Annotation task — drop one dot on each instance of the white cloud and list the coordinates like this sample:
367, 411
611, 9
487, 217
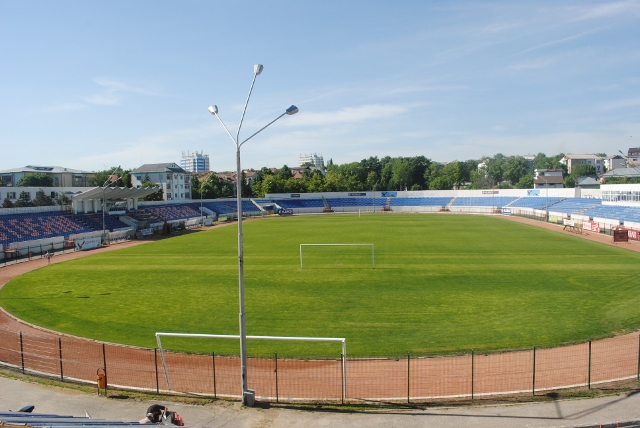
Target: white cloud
103, 99
349, 115
562, 40
111, 93
609, 9
64, 107
624, 103
531, 65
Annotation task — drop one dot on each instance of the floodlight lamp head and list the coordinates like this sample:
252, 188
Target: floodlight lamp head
257, 69
291, 110
213, 109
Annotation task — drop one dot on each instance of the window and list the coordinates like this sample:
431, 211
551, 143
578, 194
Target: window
168, 195
168, 176
11, 195
139, 178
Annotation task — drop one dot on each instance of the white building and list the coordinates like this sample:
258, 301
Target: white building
175, 181
548, 178
313, 159
571, 160
633, 156
195, 162
615, 161
62, 177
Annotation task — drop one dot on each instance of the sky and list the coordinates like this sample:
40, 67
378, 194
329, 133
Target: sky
90, 85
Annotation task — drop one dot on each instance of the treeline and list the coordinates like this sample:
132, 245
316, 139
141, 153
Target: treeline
372, 174
406, 173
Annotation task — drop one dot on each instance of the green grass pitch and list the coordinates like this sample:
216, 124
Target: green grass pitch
441, 284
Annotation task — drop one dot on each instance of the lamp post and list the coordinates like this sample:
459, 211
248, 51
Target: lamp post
248, 396
104, 203
202, 184
547, 191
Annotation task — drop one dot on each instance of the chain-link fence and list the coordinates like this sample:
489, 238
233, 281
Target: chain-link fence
285, 379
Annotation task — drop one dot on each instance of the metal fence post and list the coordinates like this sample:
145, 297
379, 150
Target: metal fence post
533, 392
60, 358
638, 375
408, 377
21, 353
104, 362
276, 371
213, 362
155, 364
342, 389
589, 378
472, 372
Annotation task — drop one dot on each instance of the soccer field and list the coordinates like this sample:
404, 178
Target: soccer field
441, 284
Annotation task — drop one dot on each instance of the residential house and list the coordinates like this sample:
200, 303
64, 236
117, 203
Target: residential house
175, 181
571, 160
548, 178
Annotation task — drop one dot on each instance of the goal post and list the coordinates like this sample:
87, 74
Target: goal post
341, 340
373, 259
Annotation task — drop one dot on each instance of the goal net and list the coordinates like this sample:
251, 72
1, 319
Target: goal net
167, 372
331, 255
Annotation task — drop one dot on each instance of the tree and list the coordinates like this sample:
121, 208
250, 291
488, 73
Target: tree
583, 170
456, 173
495, 168
284, 173
156, 196
111, 177
525, 182
195, 186
621, 180
38, 179
402, 173
440, 183
313, 181
433, 172
515, 168
24, 200
372, 164
7, 203
373, 181
569, 182
62, 199
42, 200
245, 191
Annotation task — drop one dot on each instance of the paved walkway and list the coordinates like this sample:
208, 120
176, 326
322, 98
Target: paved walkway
15, 394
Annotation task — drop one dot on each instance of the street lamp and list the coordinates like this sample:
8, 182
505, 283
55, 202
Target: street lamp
248, 396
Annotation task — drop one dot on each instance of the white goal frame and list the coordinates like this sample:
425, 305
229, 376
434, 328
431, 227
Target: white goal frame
373, 258
342, 340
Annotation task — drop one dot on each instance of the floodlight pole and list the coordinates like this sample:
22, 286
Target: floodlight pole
248, 396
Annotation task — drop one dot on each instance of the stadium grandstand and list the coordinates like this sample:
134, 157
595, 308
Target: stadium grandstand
125, 217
